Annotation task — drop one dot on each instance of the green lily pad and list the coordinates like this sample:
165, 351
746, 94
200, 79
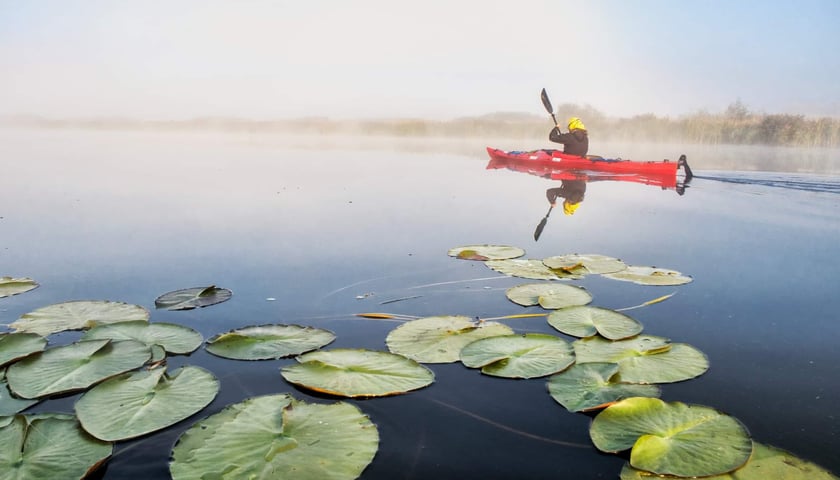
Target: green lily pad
78, 315
766, 463
358, 373
74, 367
266, 342
530, 355
548, 295
591, 263
529, 268
486, 252
14, 346
174, 338
591, 386
10, 404
672, 438
650, 276
141, 402
585, 321
13, 286
440, 339
276, 436
644, 358
190, 298
48, 446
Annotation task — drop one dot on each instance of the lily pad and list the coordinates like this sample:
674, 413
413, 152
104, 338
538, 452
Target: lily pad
591, 386
141, 402
585, 321
266, 342
190, 298
276, 436
78, 315
650, 276
14, 346
766, 463
672, 438
440, 339
529, 268
548, 295
10, 404
591, 263
74, 367
48, 446
529, 355
644, 358
358, 373
486, 252
13, 286
174, 338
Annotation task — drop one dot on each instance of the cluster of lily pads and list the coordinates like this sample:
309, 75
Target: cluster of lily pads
119, 364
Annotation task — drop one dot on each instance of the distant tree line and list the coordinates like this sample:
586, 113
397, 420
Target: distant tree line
736, 126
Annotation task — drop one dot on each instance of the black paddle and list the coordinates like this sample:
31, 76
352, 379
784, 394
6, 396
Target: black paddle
547, 105
550, 110
540, 227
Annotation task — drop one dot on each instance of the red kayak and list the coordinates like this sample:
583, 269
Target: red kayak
555, 159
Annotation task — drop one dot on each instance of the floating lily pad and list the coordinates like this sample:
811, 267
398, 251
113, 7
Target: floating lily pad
74, 367
672, 438
14, 346
766, 463
13, 286
141, 402
276, 436
650, 276
591, 263
529, 268
78, 315
358, 373
190, 298
10, 404
174, 338
48, 446
590, 386
585, 321
548, 295
486, 252
530, 355
266, 342
644, 358
440, 339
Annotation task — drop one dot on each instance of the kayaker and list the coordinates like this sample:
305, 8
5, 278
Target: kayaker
572, 192
576, 142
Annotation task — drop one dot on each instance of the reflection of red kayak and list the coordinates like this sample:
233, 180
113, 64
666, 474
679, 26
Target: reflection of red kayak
559, 166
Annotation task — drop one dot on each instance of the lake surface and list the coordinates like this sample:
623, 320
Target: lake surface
313, 231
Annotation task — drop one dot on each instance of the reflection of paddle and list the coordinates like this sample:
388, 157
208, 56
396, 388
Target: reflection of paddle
547, 105
540, 227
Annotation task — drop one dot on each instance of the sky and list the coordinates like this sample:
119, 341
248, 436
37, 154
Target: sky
432, 59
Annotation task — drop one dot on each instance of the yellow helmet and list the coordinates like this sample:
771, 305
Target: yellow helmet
569, 208
576, 124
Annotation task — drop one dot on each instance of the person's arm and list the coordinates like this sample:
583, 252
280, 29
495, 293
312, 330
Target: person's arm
552, 193
557, 136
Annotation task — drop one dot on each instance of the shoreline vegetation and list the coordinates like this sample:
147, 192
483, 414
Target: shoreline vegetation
735, 126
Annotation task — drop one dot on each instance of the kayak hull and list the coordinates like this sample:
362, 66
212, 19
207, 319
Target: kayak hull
559, 160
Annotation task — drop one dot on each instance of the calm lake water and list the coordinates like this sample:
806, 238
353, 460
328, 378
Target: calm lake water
313, 231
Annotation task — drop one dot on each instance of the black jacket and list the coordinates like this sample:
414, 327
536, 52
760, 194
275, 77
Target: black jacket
575, 142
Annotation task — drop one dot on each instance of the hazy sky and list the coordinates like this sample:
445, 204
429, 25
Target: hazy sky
176, 59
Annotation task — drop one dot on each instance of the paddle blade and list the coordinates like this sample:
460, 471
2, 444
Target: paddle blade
546, 102
540, 228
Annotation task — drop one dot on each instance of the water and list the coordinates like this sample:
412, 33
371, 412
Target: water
299, 232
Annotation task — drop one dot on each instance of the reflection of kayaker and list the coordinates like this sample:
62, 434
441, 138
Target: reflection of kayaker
572, 193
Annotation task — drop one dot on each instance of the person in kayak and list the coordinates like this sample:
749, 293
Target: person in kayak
571, 191
576, 142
